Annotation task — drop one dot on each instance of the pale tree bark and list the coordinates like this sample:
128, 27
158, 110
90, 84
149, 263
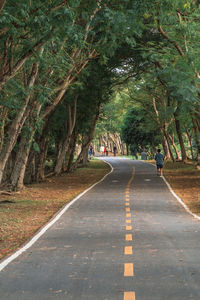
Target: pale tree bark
114, 139
174, 146
189, 138
111, 138
180, 137
17, 176
168, 144
119, 142
15, 127
165, 148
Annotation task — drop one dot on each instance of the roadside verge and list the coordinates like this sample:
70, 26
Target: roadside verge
30, 213
183, 180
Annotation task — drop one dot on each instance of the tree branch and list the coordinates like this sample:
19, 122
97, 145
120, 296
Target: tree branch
165, 35
8, 75
2, 2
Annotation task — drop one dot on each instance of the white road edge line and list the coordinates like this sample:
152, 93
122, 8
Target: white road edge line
180, 200
177, 197
13, 256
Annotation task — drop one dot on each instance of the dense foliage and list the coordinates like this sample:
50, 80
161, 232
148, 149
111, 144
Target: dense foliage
61, 61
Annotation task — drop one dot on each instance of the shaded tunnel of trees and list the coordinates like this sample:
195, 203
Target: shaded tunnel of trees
70, 67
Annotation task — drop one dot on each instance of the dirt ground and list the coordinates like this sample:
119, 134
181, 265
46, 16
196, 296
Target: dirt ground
185, 181
23, 213
184, 178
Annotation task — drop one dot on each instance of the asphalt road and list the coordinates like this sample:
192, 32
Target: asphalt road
127, 238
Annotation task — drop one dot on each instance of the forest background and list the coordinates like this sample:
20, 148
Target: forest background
62, 61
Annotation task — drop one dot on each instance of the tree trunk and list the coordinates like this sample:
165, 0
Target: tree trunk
16, 125
189, 138
9, 167
180, 137
197, 138
85, 156
43, 142
174, 146
17, 176
71, 125
72, 151
165, 148
3, 116
30, 171
127, 149
60, 160
41, 158
89, 138
169, 147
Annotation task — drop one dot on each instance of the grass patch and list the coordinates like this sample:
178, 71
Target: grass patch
23, 213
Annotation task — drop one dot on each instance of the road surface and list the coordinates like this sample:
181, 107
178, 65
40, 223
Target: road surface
127, 238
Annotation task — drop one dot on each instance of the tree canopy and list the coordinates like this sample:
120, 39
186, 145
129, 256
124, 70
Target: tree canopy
67, 64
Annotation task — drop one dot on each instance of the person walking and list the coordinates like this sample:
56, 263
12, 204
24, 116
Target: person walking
105, 151
159, 158
90, 151
114, 150
143, 155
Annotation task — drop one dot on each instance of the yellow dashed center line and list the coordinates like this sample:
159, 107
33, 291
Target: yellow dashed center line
129, 237
128, 227
128, 250
128, 269
129, 295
